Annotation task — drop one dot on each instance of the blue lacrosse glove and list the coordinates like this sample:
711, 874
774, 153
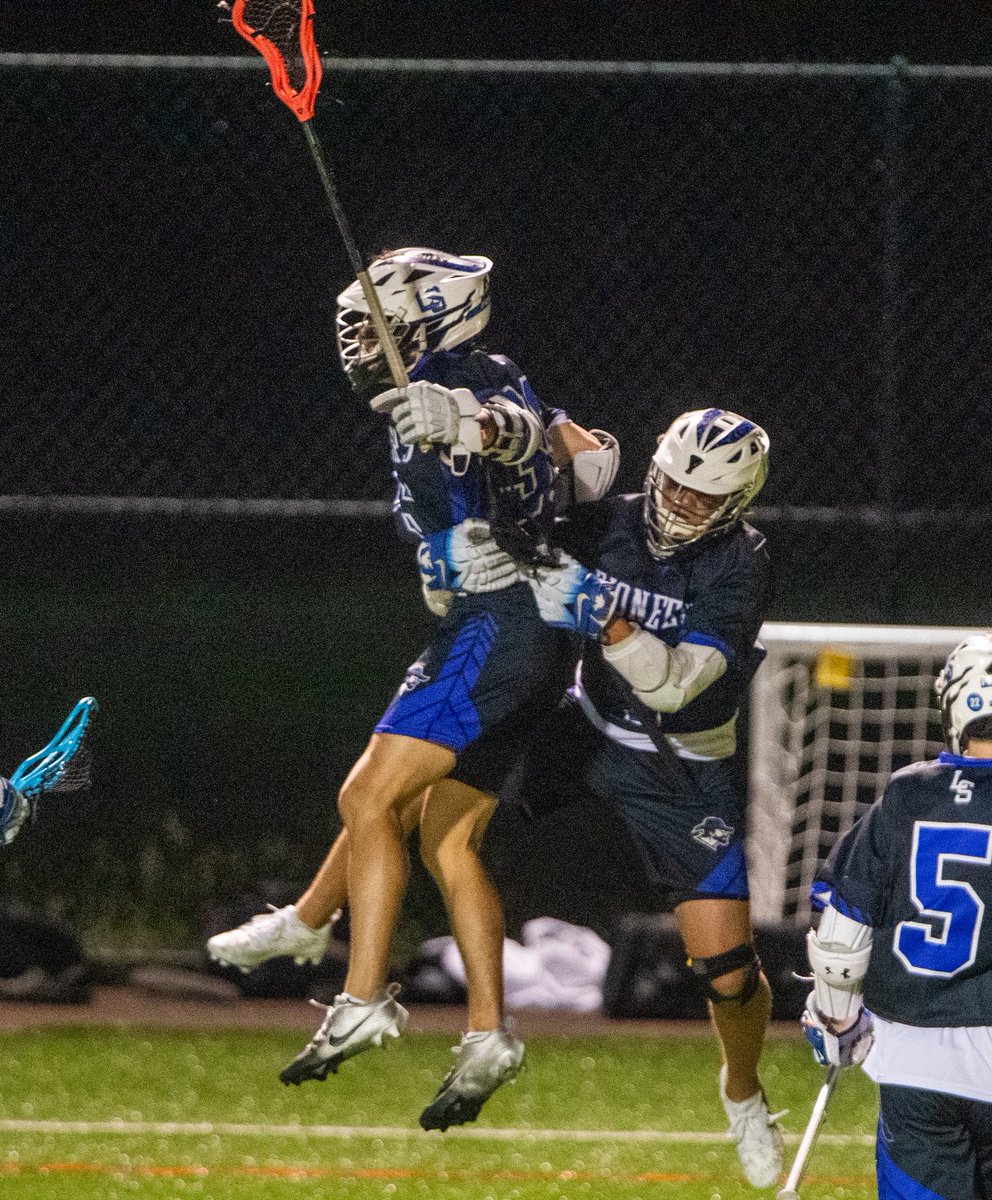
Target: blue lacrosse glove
14, 811
571, 597
466, 558
844, 1049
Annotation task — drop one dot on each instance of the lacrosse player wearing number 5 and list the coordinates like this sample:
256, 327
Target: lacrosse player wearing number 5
469, 441
906, 898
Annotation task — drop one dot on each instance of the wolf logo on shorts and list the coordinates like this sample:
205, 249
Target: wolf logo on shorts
415, 676
713, 833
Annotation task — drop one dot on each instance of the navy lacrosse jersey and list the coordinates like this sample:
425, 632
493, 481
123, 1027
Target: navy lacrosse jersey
713, 593
435, 492
493, 667
918, 869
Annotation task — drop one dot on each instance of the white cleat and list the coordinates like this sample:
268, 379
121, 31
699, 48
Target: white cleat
273, 934
758, 1137
349, 1027
485, 1060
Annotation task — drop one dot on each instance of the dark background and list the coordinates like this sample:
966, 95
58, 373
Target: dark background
240, 662
924, 31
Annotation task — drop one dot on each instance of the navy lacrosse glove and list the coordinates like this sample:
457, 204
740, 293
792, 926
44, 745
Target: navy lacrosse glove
844, 1049
571, 597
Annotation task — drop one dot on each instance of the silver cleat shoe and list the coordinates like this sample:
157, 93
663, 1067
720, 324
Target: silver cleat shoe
758, 1137
349, 1027
270, 935
485, 1060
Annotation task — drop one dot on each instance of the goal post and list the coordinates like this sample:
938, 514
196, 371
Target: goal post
834, 710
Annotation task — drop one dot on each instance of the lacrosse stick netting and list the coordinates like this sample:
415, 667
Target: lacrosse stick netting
282, 32
65, 764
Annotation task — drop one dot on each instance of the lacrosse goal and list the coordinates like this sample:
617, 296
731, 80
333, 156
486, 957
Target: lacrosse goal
834, 710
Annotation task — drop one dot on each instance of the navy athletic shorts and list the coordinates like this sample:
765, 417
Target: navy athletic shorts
686, 817
932, 1146
491, 674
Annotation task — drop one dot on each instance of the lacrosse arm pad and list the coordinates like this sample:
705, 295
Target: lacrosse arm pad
593, 471
662, 677
839, 952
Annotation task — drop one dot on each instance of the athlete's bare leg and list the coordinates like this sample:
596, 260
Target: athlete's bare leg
392, 770
452, 823
711, 927
328, 890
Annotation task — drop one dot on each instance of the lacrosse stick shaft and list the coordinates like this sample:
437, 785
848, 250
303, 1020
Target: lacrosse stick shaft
789, 1191
385, 335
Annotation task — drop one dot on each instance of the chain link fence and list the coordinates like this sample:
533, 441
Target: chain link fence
809, 245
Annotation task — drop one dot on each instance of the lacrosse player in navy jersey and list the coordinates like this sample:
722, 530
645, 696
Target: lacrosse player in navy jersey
469, 441
672, 607
906, 898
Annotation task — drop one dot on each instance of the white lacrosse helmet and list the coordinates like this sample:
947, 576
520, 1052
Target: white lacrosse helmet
964, 689
712, 451
432, 301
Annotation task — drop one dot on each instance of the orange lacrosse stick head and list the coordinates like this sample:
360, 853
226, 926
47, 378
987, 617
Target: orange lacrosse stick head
282, 32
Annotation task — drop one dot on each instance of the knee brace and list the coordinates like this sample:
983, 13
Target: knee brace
708, 969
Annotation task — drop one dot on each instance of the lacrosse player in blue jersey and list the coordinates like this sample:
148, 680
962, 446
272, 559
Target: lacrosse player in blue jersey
672, 608
468, 441
905, 930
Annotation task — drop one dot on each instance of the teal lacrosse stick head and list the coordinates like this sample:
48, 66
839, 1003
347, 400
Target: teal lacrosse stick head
64, 765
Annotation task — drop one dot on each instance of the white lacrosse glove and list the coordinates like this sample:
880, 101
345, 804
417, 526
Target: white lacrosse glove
838, 1048
428, 412
572, 597
466, 558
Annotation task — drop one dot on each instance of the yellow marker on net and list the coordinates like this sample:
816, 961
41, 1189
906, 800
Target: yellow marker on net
833, 670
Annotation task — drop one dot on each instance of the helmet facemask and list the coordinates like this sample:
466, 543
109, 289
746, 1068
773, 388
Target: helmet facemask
362, 356
708, 468
675, 515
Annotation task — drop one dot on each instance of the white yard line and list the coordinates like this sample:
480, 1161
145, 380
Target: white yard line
395, 1132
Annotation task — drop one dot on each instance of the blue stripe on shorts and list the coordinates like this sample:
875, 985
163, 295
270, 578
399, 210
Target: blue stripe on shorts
441, 710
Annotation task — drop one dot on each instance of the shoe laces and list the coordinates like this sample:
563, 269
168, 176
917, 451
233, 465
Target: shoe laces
325, 1024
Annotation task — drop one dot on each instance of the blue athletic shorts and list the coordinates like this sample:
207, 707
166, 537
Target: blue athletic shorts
491, 674
932, 1146
686, 817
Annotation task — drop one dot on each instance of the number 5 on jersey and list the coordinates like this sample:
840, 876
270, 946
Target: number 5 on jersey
953, 904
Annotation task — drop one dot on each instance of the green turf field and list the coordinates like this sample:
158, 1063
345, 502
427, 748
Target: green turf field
100, 1114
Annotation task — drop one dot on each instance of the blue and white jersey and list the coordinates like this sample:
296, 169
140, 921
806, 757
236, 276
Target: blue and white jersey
713, 593
434, 493
917, 867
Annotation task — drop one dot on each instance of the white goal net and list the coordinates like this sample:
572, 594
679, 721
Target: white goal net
834, 710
